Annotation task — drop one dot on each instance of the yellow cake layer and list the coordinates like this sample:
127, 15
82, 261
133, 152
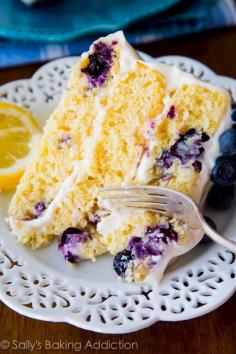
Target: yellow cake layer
73, 118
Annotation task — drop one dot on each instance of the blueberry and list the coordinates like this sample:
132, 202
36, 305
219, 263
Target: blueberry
220, 198
96, 65
227, 142
121, 261
99, 65
187, 148
233, 113
72, 258
165, 161
205, 240
39, 209
72, 235
181, 149
224, 171
144, 247
197, 165
205, 137
190, 133
171, 114
233, 116
69, 241
189, 145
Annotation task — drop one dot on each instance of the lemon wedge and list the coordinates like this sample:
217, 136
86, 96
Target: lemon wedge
19, 136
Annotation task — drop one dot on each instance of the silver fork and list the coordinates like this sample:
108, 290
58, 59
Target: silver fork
164, 202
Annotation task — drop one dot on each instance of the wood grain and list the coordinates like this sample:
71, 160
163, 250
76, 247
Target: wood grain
214, 333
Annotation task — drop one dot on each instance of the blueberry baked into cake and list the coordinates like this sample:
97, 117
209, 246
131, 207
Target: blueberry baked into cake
121, 121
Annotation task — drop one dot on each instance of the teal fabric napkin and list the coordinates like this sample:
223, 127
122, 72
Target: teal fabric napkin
62, 20
42, 32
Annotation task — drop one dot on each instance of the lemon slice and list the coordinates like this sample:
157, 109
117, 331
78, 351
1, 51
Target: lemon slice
19, 135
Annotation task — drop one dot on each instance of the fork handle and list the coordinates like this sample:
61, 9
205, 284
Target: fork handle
218, 238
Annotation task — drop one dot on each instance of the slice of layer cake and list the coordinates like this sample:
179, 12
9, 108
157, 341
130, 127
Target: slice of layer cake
121, 121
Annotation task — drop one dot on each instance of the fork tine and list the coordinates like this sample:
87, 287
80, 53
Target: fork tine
141, 204
148, 198
142, 197
146, 208
147, 189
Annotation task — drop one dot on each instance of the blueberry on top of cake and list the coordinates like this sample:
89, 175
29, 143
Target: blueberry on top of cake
99, 63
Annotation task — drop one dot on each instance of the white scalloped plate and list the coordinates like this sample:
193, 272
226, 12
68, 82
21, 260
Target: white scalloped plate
40, 285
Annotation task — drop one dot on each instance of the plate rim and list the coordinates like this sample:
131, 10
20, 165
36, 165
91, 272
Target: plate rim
67, 318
